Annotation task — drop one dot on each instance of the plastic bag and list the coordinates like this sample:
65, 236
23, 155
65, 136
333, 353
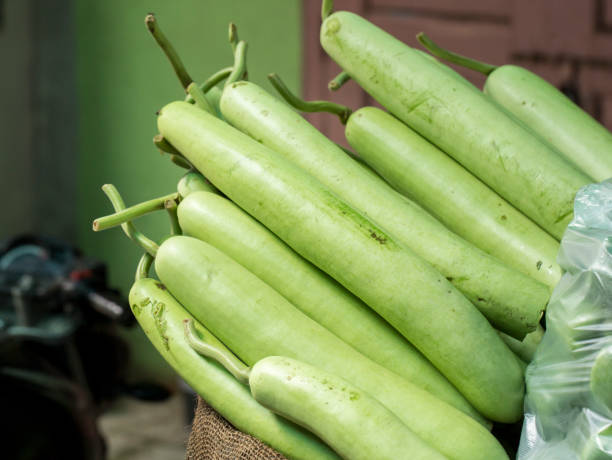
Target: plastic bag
568, 405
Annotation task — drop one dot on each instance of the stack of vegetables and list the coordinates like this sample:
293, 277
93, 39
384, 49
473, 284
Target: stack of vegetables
376, 304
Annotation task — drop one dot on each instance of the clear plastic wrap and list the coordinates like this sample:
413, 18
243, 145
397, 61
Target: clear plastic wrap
568, 407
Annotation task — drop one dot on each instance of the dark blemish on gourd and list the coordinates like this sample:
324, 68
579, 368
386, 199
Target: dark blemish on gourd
503, 217
161, 286
289, 377
380, 238
448, 292
480, 299
265, 113
144, 302
136, 309
160, 322
523, 103
449, 278
354, 396
539, 264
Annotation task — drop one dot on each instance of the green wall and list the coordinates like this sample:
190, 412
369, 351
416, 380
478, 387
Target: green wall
123, 79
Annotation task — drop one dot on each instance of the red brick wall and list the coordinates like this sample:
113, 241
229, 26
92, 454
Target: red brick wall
568, 42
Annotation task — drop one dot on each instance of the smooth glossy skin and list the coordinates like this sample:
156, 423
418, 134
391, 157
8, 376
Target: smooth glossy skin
424, 173
410, 294
219, 222
461, 122
512, 301
193, 181
255, 321
349, 420
550, 114
161, 317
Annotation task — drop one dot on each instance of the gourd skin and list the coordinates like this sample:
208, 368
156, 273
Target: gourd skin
356, 425
161, 318
255, 321
406, 291
221, 223
460, 121
512, 301
462, 202
551, 115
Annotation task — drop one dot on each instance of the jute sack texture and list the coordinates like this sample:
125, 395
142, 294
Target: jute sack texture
214, 438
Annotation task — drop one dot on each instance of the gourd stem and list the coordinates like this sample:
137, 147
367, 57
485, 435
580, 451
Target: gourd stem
327, 6
128, 228
171, 206
342, 111
181, 161
200, 100
144, 265
224, 357
169, 51
215, 78
233, 36
162, 144
239, 68
455, 58
125, 215
339, 81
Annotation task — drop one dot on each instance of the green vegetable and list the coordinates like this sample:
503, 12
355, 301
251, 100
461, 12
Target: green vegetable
460, 121
219, 222
161, 317
465, 205
193, 182
601, 377
405, 290
510, 300
349, 420
545, 111
255, 321
526, 348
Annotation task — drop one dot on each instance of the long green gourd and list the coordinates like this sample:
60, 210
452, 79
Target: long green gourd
405, 290
510, 300
161, 317
255, 321
463, 203
544, 110
221, 223
462, 122
349, 420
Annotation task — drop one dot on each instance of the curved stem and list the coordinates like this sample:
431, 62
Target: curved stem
233, 36
215, 78
169, 51
181, 161
198, 96
127, 214
342, 111
171, 206
224, 357
455, 58
339, 81
128, 228
239, 68
162, 144
327, 6
144, 265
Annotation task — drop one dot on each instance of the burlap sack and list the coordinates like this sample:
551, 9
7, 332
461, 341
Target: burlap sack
214, 438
